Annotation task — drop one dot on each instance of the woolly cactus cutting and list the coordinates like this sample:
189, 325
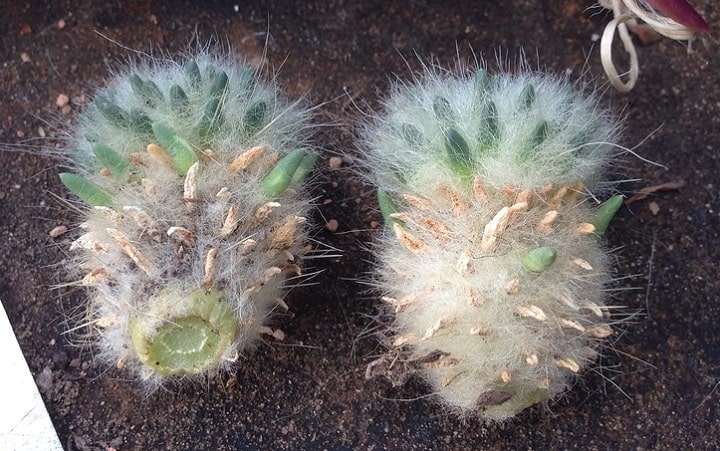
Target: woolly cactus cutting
191, 174
491, 263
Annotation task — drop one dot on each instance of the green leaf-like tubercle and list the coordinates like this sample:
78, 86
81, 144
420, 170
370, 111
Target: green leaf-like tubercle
304, 168
255, 117
481, 81
537, 137
146, 90
489, 132
411, 135
387, 208
178, 100
527, 96
193, 73
193, 337
179, 149
247, 77
539, 134
212, 114
86, 190
140, 122
443, 110
113, 113
540, 259
113, 161
280, 177
219, 84
605, 212
458, 152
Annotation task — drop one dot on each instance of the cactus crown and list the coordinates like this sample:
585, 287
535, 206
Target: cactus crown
512, 130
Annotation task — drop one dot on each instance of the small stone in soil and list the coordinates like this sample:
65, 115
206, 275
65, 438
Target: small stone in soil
58, 231
62, 100
332, 225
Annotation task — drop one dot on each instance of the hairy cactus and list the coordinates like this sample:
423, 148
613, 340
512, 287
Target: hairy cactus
193, 212
490, 262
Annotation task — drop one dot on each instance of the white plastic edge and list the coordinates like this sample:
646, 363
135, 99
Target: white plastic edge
24, 420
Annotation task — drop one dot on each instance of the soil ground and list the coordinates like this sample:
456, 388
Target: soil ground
656, 389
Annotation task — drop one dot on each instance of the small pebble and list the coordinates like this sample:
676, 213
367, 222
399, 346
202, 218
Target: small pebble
62, 100
44, 379
58, 231
654, 208
332, 225
335, 162
25, 57
61, 24
374, 224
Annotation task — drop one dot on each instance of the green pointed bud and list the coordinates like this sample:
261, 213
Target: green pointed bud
443, 110
193, 73
458, 152
481, 81
255, 117
605, 212
113, 113
527, 96
578, 143
113, 161
541, 132
304, 168
146, 90
411, 134
179, 149
537, 136
490, 133
387, 208
279, 178
398, 173
212, 114
86, 190
178, 100
219, 84
139, 122
247, 77
136, 84
153, 91
540, 259
211, 117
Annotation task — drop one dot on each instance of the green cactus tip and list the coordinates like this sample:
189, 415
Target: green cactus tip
113, 161
458, 151
387, 208
179, 149
86, 190
292, 167
605, 212
540, 259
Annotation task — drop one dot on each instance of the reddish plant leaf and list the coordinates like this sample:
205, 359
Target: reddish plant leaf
681, 12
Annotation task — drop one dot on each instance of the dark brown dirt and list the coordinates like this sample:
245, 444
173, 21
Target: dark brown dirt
656, 390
